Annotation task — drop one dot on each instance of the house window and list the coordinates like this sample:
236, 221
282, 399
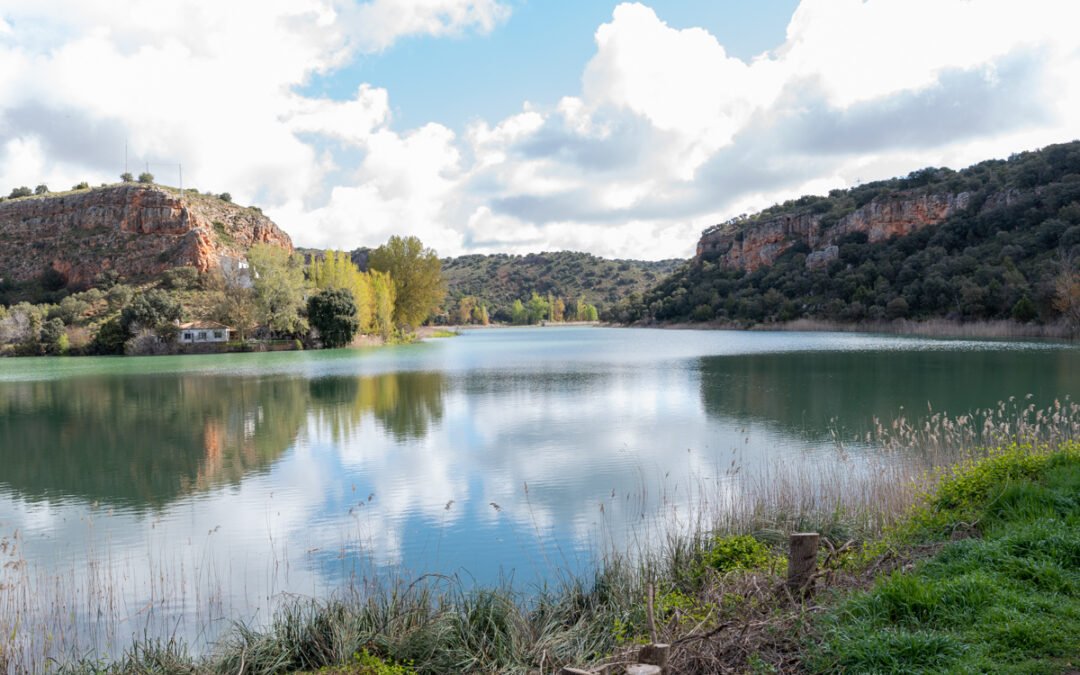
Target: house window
202, 335
217, 335
187, 336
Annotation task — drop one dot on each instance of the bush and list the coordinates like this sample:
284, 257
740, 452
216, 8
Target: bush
110, 338
180, 278
20, 192
146, 177
52, 338
897, 308
127, 177
81, 186
41, 189
1024, 310
225, 197
150, 310
740, 552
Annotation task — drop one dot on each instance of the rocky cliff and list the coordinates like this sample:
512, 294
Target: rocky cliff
756, 243
137, 230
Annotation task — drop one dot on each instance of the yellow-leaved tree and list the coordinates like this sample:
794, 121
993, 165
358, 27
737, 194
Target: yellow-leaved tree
337, 270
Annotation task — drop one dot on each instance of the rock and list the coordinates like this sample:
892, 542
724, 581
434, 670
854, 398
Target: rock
753, 245
137, 230
823, 257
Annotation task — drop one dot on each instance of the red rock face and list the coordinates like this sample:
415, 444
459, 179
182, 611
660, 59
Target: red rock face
752, 246
137, 230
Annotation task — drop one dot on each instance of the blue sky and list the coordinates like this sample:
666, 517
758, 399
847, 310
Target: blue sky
619, 128
536, 55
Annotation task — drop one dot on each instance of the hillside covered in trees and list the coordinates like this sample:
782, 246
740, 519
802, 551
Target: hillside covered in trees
498, 280
1003, 243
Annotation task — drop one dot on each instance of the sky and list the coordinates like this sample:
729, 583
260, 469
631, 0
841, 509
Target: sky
481, 126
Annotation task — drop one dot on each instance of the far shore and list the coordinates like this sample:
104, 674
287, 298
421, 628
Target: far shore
941, 328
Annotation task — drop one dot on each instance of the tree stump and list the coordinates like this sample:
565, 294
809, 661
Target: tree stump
643, 669
655, 655
802, 563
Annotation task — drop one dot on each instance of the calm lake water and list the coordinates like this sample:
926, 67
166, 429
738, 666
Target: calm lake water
183, 492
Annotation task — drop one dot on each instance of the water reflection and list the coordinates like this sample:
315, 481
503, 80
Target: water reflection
809, 393
142, 441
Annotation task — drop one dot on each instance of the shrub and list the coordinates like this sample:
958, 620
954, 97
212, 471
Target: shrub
41, 189
127, 177
53, 339
20, 192
739, 552
225, 197
110, 338
81, 186
146, 177
180, 278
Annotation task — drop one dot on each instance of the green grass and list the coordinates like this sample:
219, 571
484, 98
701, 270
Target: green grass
1007, 601
443, 334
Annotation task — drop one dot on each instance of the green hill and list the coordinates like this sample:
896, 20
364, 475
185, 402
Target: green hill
500, 279
998, 240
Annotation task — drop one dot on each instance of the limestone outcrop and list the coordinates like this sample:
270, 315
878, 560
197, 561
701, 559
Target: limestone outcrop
137, 230
750, 245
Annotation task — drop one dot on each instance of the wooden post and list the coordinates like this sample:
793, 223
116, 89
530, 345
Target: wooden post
655, 655
802, 563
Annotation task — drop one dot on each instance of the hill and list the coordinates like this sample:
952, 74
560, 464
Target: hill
500, 279
997, 240
134, 230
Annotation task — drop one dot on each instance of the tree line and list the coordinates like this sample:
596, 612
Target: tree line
318, 301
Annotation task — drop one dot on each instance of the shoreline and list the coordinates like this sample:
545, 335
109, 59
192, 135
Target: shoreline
933, 328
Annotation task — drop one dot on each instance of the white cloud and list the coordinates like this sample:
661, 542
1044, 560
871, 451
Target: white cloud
668, 134
379, 23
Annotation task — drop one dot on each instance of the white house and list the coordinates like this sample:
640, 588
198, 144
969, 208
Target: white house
198, 332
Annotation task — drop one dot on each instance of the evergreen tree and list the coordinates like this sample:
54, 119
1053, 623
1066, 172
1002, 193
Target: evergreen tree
333, 313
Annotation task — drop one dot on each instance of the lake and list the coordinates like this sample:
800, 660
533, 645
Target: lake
171, 495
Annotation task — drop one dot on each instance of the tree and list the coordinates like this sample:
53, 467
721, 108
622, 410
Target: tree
236, 308
41, 189
127, 177
20, 192
417, 275
149, 310
225, 197
333, 313
278, 281
81, 186
146, 177
53, 339
1067, 296
519, 316
382, 303
537, 308
465, 309
337, 270
558, 310
110, 338
480, 315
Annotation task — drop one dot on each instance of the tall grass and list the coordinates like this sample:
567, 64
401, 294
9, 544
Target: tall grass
441, 624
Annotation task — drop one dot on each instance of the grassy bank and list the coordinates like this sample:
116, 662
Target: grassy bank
970, 567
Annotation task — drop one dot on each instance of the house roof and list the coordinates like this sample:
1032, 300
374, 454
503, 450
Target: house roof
203, 325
